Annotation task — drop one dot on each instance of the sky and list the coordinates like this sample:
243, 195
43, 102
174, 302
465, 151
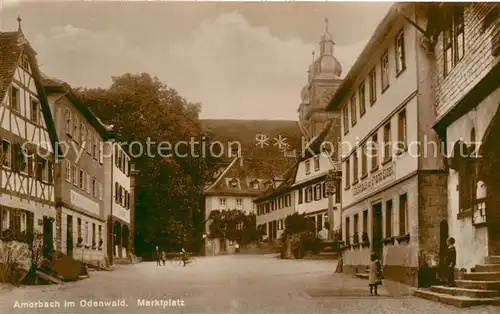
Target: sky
240, 60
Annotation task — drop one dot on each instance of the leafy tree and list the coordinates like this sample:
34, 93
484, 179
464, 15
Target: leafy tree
234, 225
169, 201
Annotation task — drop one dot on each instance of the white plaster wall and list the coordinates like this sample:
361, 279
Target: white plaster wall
471, 241
397, 254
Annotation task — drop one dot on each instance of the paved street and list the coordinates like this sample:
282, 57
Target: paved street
226, 284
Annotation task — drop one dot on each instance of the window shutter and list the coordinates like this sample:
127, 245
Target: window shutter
116, 192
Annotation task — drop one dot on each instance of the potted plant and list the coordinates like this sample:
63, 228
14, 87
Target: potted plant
389, 240
405, 238
355, 240
365, 240
94, 246
79, 242
100, 244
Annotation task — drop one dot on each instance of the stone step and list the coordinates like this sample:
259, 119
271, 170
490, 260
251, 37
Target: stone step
482, 276
487, 268
362, 275
458, 301
493, 259
465, 292
479, 284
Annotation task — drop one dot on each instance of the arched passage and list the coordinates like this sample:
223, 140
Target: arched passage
489, 173
125, 239
117, 241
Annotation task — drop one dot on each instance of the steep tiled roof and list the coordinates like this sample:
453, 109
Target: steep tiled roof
12, 47
53, 85
288, 179
10, 51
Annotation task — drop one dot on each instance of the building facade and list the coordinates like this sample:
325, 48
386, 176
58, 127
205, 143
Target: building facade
81, 218
467, 88
235, 187
393, 194
311, 194
28, 144
118, 182
274, 205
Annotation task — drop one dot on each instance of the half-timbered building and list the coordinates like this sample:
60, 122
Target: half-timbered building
27, 136
81, 219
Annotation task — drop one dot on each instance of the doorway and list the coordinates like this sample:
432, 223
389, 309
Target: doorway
377, 230
69, 235
48, 238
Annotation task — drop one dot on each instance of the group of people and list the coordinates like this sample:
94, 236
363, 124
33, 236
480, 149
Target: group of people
161, 257
447, 275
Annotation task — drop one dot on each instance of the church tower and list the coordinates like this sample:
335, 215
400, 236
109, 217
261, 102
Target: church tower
323, 80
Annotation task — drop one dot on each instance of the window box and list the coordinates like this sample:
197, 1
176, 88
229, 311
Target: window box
403, 238
388, 241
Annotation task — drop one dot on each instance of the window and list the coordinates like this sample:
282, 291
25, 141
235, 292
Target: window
388, 219
365, 221
308, 166
317, 192
362, 100
94, 187
319, 222
373, 86
94, 243
356, 224
79, 227
43, 169
14, 98
387, 142
345, 115
402, 131
75, 175
94, 147
126, 162
222, 202
31, 165
75, 129
6, 154
400, 53
100, 232
288, 200
453, 38
81, 182
25, 63
323, 187
301, 195
309, 194
83, 134
384, 68
67, 175
34, 110
403, 214
233, 184
347, 230
87, 232
355, 167
374, 151
117, 196
347, 173
239, 203
68, 126
354, 115
88, 146
363, 161
316, 163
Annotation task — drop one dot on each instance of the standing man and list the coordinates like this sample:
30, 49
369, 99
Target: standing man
451, 261
156, 255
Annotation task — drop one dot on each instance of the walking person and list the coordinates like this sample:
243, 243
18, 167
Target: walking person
450, 262
375, 275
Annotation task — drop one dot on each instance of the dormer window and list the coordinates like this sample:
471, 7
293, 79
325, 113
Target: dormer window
255, 185
25, 63
308, 166
233, 184
316, 163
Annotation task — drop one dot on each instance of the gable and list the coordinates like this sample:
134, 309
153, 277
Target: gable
24, 111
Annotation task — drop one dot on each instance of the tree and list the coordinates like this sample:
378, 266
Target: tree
169, 200
234, 225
